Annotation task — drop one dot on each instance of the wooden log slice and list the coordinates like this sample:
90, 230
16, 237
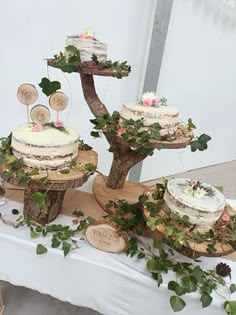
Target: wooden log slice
194, 249
107, 236
179, 143
102, 194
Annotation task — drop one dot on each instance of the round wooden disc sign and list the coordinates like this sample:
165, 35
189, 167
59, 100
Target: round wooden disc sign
40, 114
58, 101
27, 94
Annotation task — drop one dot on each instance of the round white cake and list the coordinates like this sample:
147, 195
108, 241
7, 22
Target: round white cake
152, 110
201, 202
49, 148
87, 48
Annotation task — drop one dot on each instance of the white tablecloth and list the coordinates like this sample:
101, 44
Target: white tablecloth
112, 284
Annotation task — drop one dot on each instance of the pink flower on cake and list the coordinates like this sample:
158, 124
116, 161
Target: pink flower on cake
147, 103
194, 182
225, 217
58, 123
121, 131
37, 128
149, 99
82, 36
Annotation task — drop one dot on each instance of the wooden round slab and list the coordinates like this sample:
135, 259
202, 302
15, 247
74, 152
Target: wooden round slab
102, 194
55, 180
194, 249
40, 114
107, 236
58, 101
179, 143
27, 94
92, 71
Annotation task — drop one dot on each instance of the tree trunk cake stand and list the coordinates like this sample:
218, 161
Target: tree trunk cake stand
115, 186
54, 188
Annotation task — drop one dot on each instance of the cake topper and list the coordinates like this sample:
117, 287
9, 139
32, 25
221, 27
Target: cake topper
40, 114
27, 95
149, 99
58, 101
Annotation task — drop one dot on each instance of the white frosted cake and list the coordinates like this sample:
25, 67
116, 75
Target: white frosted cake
47, 148
152, 110
87, 46
201, 202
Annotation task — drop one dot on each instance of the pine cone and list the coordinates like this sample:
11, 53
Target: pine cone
222, 269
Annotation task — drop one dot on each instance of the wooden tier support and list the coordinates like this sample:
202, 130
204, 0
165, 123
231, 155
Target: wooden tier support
102, 194
193, 249
43, 199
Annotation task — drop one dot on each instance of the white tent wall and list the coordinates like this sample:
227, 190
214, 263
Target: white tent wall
198, 74
34, 30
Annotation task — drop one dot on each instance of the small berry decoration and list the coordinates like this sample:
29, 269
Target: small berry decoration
224, 270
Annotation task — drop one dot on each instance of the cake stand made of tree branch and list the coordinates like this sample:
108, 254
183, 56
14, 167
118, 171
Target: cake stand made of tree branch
54, 184
124, 157
130, 190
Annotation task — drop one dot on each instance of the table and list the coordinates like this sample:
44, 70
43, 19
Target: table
112, 284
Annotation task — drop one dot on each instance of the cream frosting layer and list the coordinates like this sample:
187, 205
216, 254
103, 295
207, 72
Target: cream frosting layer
202, 212
87, 48
166, 116
48, 149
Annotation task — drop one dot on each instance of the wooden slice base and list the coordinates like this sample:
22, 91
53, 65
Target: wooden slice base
102, 194
194, 249
178, 143
54, 188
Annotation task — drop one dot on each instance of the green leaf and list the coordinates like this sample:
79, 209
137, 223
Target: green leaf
49, 87
41, 249
33, 234
206, 299
66, 247
141, 255
95, 134
78, 213
230, 307
172, 285
55, 242
191, 124
152, 265
39, 198
232, 288
65, 171
177, 303
180, 290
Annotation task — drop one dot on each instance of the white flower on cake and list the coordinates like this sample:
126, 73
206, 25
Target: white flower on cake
200, 193
149, 99
197, 189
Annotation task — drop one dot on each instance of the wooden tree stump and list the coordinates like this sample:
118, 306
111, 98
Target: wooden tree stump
53, 202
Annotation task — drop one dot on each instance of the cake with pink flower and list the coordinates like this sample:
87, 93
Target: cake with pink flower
87, 45
152, 110
49, 146
201, 202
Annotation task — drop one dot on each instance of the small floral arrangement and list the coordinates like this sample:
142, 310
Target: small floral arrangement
197, 189
149, 99
87, 34
37, 128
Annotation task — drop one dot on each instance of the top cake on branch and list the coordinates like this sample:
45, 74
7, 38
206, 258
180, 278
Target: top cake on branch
87, 45
85, 54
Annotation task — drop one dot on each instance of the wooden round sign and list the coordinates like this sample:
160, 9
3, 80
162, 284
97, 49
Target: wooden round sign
58, 101
27, 94
40, 114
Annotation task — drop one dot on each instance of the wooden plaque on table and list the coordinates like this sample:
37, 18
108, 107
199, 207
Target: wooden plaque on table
107, 236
